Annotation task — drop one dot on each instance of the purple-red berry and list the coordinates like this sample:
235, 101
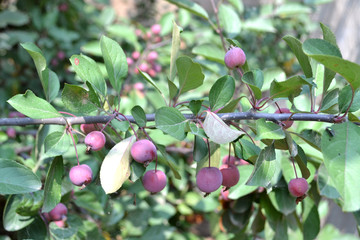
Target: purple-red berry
230, 176
209, 179
129, 61
154, 181
144, 67
298, 187
60, 223
235, 58
80, 175
287, 124
152, 56
59, 212
231, 160
135, 55
95, 140
11, 132
89, 127
143, 151
156, 29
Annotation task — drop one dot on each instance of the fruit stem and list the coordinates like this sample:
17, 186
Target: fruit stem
209, 152
117, 113
218, 29
70, 114
69, 130
112, 117
228, 160
293, 163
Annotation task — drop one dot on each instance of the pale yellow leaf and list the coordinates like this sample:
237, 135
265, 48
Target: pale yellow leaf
115, 169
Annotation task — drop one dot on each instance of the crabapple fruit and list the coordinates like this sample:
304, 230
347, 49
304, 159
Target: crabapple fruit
298, 187
89, 127
152, 56
232, 160
143, 151
135, 55
144, 67
60, 223
11, 132
154, 181
80, 175
95, 140
156, 29
59, 212
129, 61
287, 124
235, 58
209, 179
230, 176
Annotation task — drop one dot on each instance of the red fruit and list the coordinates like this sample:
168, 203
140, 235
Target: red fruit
287, 124
232, 160
139, 86
60, 55
16, 115
224, 195
156, 29
154, 181
129, 61
143, 151
135, 55
11, 132
95, 140
243, 162
151, 72
230, 176
80, 175
298, 187
60, 223
152, 56
89, 127
209, 179
58, 212
235, 58
144, 67
157, 68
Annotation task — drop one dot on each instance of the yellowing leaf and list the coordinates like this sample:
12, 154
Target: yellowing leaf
217, 130
115, 168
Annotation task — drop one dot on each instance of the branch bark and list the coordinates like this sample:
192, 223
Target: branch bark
250, 115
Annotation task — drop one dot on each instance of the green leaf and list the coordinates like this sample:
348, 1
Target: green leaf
77, 99
175, 46
301, 160
229, 21
14, 18
329, 55
37, 56
57, 143
325, 184
296, 47
345, 98
139, 115
89, 201
215, 159
238, 4
311, 219
311, 137
11, 220
36, 230
267, 169
231, 106
173, 90
291, 9
341, 154
290, 88
149, 80
218, 131
221, 92
198, 131
115, 61
32, 106
268, 130
255, 80
259, 25
89, 71
200, 149
30, 203
58, 233
328, 35
170, 161
190, 74
16, 178
52, 188
191, 7
282, 200
195, 106
241, 189
51, 84
330, 99
171, 121
210, 51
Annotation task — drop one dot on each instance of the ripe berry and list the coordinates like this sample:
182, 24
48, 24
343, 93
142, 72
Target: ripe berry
156, 29
144, 67
95, 140
298, 187
129, 61
235, 58
89, 127
11, 132
154, 181
230, 176
143, 151
139, 86
152, 56
209, 179
80, 175
232, 160
135, 55
287, 124
58, 212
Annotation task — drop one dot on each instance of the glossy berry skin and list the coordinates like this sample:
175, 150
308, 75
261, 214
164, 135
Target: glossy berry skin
143, 151
209, 179
81, 175
230, 176
154, 181
95, 140
156, 29
287, 124
298, 187
58, 212
152, 56
235, 58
